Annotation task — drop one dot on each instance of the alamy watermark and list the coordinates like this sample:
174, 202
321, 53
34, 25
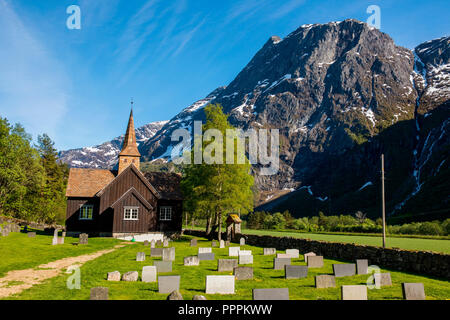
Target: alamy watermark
371, 283
375, 19
259, 150
74, 281
74, 20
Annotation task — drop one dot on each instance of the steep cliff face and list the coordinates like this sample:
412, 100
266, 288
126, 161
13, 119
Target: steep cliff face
341, 94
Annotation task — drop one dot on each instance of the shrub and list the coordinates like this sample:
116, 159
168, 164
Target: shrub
430, 228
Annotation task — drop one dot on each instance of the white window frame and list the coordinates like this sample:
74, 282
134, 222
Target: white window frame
131, 217
165, 213
83, 209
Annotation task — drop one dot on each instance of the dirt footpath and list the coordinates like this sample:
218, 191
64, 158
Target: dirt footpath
20, 280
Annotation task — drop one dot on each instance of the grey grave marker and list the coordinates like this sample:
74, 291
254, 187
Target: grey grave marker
362, 266
206, 256
168, 254
243, 273
309, 254
156, 252
226, 265
271, 294
131, 276
113, 276
245, 259
296, 272
344, 270
191, 261
168, 284
163, 266
279, 263
382, 279
140, 256
413, 291
315, 261
193, 242
99, 293
325, 281
270, 251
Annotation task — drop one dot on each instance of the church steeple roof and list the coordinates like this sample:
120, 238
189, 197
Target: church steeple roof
129, 143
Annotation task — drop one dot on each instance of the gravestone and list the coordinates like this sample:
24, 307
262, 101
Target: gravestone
243, 273
55, 241
382, 279
283, 256
61, 240
233, 251
245, 259
358, 292
168, 254
344, 270
113, 276
152, 244
279, 263
213, 243
315, 261
413, 291
227, 243
221, 244
191, 261
242, 242
31, 234
271, 294
156, 252
309, 254
270, 251
226, 265
166, 243
168, 284
83, 238
99, 293
176, 295
294, 253
206, 256
204, 250
295, 272
362, 266
193, 242
131, 276
55, 233
149, 274
163, 266
245, 252
140, 256
145, 243
159, 243
220, 284
199, 297
325, 281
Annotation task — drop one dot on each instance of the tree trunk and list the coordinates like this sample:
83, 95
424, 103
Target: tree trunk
208, 226
220, 226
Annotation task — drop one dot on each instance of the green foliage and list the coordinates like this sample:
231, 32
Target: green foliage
32, 183
215, 187
343, 223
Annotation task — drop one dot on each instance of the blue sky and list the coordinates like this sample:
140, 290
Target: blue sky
76, 85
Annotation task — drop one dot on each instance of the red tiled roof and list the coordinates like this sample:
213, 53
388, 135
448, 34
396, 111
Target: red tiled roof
87, 182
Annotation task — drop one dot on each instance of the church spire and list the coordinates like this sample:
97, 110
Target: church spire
130, 153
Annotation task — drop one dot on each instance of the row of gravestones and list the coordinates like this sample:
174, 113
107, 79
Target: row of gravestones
220, 284
158, 243
6, 229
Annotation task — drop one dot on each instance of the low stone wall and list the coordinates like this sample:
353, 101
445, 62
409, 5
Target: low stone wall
421, 262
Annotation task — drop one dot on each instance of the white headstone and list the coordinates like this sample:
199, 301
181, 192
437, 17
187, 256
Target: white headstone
149, 274
222, 244
233, 251
245, 252
245, 259
220, 284
294, 253
204, 250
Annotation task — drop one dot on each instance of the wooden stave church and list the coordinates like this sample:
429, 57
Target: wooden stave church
104, 202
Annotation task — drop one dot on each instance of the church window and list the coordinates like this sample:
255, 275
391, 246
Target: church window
131, 213
86, 212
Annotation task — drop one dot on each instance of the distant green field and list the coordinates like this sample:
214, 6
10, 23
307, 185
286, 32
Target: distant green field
391, 242
93, 274
18, 252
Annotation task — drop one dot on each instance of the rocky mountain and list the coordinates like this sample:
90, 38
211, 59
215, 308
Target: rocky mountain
105, 155
341, 94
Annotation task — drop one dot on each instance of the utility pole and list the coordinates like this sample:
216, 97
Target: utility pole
383, 208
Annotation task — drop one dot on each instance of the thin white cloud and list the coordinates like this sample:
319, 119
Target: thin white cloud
286, 8
33, 85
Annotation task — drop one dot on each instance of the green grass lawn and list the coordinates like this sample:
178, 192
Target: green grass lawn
18, 252
94, 273
437, 245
